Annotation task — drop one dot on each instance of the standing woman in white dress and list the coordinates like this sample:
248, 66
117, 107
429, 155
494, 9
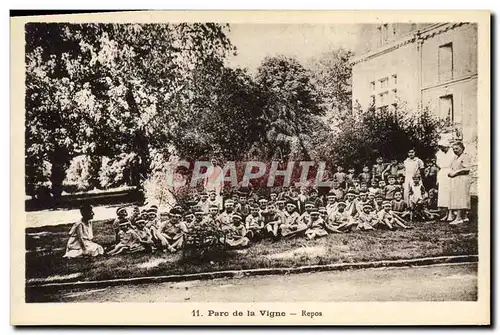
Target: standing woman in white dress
413, 167
444, 158
460, 183
215, 179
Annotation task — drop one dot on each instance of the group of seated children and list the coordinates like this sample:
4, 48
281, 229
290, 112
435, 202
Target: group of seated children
366, 202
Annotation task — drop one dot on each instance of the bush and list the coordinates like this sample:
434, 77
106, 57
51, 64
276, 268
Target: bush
118, 171
204, 243
157, 190
81, 174
163, 189
37, 178
362, 136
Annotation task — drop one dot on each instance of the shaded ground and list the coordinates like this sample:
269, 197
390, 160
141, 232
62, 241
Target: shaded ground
431, 283
45, 248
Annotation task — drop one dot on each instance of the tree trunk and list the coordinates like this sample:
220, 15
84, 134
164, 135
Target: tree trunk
60, 161
95, 166
140, 171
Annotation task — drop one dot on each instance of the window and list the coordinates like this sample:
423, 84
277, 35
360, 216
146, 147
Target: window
383, 98
394, 79
446, 107
445, 63
384, 91
384, 82
394, 95
383, 32
385, 29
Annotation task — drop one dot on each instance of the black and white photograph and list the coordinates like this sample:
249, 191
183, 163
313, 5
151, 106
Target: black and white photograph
238, 162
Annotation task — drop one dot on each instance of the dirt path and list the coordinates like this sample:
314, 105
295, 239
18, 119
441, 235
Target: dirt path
64, 216
431, 283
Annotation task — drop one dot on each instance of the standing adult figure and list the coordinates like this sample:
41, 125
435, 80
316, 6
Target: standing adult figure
214, 180
444, 158
413, 167
81, 234
460, 183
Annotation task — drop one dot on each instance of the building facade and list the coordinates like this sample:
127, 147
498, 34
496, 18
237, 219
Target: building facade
430, 66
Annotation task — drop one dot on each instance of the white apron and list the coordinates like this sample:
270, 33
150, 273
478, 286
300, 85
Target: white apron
443, 161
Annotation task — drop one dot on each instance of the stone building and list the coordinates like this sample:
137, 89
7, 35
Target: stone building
422, 66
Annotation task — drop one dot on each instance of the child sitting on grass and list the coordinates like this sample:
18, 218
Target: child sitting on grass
421, 210
136, 213
171, 233
273, 221
236, 235
366, 218
417, 195
317, 227
356, 185
331, 225
292, 227
391, 188
374, 186
379, 200
81, 235
331, 203
431, 206
381, 187
351, 203
399, 206
254, 223
400, 180
362, 200
323, 214
399, 209
144, 235
128, 240
370, 199
336, 190
121, 215
363, 187
385, 218
341, 221
365, 176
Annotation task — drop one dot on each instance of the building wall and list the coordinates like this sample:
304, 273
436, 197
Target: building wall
371, 38
464, 42
402, 62
461, 85
465, 111
464, 95
428, 86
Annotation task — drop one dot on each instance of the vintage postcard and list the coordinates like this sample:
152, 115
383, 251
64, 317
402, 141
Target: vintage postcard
251, 168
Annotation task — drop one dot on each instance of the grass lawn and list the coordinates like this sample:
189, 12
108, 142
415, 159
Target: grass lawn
46, 245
